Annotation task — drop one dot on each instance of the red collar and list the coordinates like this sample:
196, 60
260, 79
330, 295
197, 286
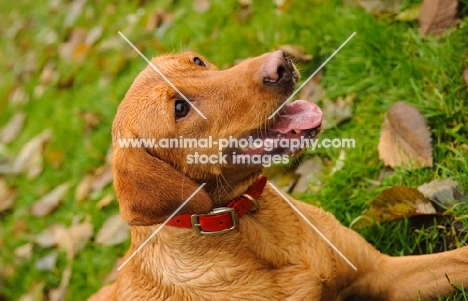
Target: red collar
222, 219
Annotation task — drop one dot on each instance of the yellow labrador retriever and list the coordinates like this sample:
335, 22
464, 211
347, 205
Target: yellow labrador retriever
263, 249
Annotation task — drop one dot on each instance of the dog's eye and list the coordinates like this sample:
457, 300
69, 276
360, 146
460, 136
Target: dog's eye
199, 62
181, 108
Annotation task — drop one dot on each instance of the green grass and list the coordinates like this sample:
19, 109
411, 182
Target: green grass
385, 62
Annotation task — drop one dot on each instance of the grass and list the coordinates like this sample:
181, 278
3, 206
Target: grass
385, 62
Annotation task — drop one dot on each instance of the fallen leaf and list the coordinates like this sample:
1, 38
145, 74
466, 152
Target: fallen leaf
114, 231
30, 151
18, 96
410, 14
396, 203
24, 252
296, 52
313, 90
84, 188
94, 35
105, 201
7, 196
76, 8
48, 237
50, 201
201, 6
442, 190
437, 15
335, 112
405, 139
75, 238
103, 176
48, 262
378, 7
310, 176
12, 128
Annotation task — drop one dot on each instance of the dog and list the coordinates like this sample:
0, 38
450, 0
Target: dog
234, 237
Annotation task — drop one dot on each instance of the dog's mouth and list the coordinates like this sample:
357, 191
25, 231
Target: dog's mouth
296, 125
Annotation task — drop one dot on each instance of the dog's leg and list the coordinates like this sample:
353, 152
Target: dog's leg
422, 277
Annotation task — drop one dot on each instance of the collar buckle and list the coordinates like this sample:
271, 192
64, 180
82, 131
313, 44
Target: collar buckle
195, 220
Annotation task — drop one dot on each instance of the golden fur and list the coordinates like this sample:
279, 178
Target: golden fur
274, 254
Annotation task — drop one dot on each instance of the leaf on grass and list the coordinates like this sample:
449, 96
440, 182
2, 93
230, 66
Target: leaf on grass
84, 188
24, 252
114, 231
335, 112
310, 175
103, 176
442, 190
201, 6
27, 157
395, 203
50, 201
296, 52
48, 262
405, 139
18, 96
408, 15
437, 15
48, 237
75, 238
105, 201
378, 7
12, 128
313, 90
7, 196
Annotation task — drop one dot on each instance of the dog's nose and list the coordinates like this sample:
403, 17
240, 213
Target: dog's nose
277, 68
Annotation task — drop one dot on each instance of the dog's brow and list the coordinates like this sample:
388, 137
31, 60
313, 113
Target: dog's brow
161, 74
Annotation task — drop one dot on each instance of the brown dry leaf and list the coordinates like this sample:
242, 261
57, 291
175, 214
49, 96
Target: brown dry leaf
310, 176
49, 75
75, 238
24, 252
114, 231
201, 6
7, 196
296, 52
50, 201
84, 188
313, 90
28, 154
48, 237
18, 96
437, 15
378, 7
105, 201
405, 139
335, 112
102, 177
395, 203
12, 128
442, 190
48, 262
465, 77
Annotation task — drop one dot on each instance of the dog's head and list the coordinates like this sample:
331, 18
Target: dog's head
178, 144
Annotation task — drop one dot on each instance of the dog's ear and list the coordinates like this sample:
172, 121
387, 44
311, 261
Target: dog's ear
150, 190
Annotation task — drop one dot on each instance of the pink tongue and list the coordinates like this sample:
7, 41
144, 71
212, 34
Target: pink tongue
299, 115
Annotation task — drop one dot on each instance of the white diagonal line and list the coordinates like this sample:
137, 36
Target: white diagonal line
310, 77
160, 227
315, 228
162, 75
